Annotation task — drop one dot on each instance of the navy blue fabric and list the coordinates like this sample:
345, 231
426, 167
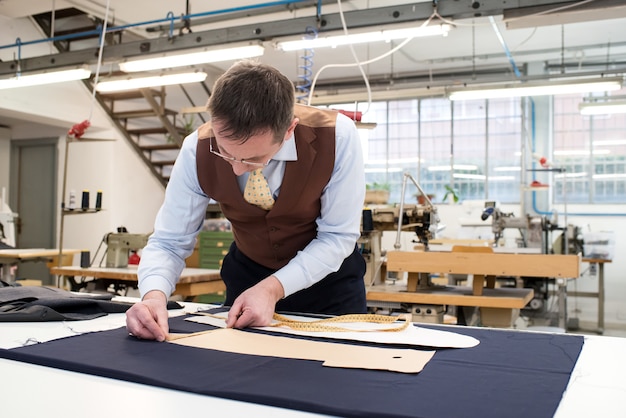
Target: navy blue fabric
510, 374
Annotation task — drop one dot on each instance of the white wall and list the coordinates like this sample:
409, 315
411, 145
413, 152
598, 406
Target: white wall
131, 195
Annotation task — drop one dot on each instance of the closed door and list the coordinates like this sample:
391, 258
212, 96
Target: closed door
33, 198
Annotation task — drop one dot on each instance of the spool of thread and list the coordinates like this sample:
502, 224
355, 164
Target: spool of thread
368, 221
99, 200
85, 200
72, 200
84, 259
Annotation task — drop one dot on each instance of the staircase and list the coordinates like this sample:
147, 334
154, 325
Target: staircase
154, 131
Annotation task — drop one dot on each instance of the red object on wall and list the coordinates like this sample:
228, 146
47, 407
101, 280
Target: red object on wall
79, 129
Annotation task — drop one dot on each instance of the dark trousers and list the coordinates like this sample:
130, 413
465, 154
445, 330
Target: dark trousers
338, 293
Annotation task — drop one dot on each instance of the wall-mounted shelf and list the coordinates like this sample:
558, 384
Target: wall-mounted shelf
73, 140
536, 189
81, 211
553, 169
365, 125
77, 211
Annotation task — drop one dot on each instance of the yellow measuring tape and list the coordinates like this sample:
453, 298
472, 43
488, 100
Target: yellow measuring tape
320, 324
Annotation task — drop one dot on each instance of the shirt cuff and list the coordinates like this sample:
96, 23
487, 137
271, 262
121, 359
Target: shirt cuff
155, 282
293, 278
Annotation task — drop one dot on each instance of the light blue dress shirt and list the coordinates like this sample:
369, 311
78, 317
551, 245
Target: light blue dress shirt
182, 214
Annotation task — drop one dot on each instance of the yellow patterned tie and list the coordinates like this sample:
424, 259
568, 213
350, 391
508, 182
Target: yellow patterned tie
257, 190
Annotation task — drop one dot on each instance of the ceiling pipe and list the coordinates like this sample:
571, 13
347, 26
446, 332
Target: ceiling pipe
243, 12
170, 19
507, 52
387, 15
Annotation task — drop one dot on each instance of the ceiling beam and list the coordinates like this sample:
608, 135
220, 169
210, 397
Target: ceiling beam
240, 14
449, 9
571, 12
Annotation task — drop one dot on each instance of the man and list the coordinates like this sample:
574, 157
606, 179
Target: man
294, 250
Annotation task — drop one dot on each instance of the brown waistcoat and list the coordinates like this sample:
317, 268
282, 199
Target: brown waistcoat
272, 238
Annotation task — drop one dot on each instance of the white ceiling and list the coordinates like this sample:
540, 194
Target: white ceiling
472, 46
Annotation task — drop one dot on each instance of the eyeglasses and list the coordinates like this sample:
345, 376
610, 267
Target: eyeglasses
233, 159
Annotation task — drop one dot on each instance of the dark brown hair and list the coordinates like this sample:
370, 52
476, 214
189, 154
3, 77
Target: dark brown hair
251, 98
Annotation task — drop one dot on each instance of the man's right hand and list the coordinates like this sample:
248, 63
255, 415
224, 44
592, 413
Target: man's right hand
148, 319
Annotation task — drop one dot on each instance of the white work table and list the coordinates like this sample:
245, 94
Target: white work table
596, 385
61, 393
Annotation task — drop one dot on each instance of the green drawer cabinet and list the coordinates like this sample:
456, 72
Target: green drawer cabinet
212, 247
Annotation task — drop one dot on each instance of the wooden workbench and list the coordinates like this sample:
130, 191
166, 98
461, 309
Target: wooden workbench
495, 304
193, 281
12, 256
508, 298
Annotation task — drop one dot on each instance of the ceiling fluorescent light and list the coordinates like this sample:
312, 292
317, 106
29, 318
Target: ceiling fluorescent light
192, 58
608, 176
466, 167
128, 83
603, 108
45, 78
572, 152
544, 88
469, 176
609, 142
359, 38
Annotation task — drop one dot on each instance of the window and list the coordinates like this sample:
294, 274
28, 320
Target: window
592, 151
475, 147
504, 144
469, 168
472, 146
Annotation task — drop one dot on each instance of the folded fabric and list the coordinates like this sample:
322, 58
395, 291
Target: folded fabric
40, 304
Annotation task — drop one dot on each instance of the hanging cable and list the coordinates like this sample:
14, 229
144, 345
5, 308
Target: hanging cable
186, 27
562, 49
473, 52
99, 63
52, 25
18, 70
505, 47
306, 72
386, 54
170, 16
356, 59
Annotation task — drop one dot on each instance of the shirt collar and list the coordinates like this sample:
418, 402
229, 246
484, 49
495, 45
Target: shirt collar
288, 151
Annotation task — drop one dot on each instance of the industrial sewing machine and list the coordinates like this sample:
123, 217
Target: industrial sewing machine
535, 233
119, 246
531, 228
422, 219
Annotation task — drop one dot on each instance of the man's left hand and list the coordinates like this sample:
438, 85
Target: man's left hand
255, 307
